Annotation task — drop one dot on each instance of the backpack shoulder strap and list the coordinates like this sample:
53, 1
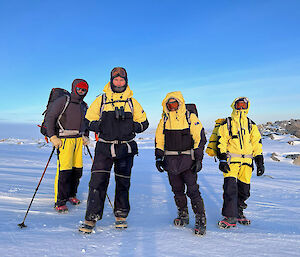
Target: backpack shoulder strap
64, 109
188, 117
250, 124
130, 103
102, 105
228, 121
165, 120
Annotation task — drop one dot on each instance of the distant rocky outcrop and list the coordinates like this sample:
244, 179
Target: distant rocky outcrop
280, 128
274, 157
297, 161
285, 127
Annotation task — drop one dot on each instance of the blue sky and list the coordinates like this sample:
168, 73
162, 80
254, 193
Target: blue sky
212, 51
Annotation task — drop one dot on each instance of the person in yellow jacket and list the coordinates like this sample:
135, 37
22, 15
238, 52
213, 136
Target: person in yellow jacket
239, 143
179, 144
116, 117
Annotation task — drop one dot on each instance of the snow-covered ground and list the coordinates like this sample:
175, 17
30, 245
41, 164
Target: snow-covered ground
274, 208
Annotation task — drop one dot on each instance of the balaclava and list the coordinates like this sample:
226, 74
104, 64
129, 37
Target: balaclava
118, 72
80, 83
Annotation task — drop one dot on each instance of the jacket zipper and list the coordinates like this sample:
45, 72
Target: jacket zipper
241, 132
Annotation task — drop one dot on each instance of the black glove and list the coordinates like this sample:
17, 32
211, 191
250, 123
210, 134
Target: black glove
137, 127
259, 161
223, 166
159, 164
197, 166
94, 126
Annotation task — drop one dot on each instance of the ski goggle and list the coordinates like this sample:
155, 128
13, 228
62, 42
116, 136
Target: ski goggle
118, 72
239, 105
172, 104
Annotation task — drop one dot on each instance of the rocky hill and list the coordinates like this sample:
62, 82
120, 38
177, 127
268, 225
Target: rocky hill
291, 127
274, 130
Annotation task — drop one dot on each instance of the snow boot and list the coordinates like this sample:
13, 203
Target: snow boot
242, 219
227, 222
87, 227
120, 223
183, 217
74, 200
200, 225
61, 209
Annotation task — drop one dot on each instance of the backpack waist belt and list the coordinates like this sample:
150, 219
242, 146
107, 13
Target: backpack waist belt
116, 142
66, 133
240, 155
189, 152
233, 155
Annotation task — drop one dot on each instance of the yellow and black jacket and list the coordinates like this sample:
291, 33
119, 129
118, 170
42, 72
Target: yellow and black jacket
241, 145
175, 136
113, 127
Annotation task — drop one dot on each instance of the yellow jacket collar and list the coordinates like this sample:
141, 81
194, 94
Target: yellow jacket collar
115, 96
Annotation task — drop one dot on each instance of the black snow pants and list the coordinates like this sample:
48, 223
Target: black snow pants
235, 194
99, 182
68, 181
178, 183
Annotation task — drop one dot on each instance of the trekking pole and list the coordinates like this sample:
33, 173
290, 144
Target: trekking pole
22, 225
88, 149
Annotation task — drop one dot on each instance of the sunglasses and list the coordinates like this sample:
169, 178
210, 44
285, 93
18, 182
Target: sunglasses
172, 105
239, 105
118, 72
81, 91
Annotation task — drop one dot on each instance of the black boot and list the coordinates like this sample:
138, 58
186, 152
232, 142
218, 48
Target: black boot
200, 224
183, 217
87, 227
242, 218
227, 222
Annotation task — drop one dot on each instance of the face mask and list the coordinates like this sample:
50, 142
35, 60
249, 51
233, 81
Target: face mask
241, 105
172, 104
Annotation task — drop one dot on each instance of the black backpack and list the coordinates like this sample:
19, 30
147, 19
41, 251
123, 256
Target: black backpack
55, 94
191, 108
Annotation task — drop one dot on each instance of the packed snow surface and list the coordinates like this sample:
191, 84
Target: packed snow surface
274, 209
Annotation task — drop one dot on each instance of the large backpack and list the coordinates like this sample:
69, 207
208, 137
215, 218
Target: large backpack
191, 108
212, 147
55, 94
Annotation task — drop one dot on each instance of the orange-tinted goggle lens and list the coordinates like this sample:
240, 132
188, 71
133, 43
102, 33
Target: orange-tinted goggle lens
172, 106
241, 105
118, 72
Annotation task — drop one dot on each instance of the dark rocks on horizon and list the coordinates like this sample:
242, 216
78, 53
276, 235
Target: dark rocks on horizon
284, 127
